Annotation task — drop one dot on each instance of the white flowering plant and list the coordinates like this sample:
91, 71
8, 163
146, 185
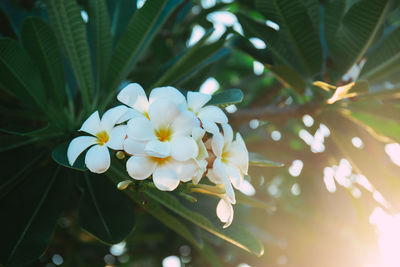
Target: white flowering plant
84, 146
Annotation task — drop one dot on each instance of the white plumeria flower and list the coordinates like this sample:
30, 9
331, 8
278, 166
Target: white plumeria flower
225, 211
104, 135
135, 97
208, 115
201, 158
162, 145
232, 160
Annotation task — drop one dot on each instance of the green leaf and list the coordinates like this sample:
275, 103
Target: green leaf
226, 98
65, 17
100, 26
384, 60
193, 60
288, 77
297, 29
235, 235
252, 202
32, 210
154, 208
9, 142
122, 11
259, 160
383, 129
104, 211
46, 131
141, 29
254, 28
39, 40
59, 155
356, 33
18, 74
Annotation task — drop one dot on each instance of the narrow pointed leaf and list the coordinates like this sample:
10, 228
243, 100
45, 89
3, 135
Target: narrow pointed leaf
19, 75
59, 155
256, 159
384, 60
193, 60
297, 29
226, 98
104, 211
31, 218
65, 17
39, 40
100, 26
140, 31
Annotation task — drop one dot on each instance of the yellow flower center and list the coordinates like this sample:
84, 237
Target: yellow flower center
160, 161
225, 156
102, 137
146, 114
164, 134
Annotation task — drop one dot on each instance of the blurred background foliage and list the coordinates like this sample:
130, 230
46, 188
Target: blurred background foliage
335, 201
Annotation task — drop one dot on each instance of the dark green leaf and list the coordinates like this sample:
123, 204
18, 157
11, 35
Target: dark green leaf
235, 235
32, 210
288, 77
256, 159
141, 29
104, 211
65, 17
296, 28
252, 202
193, 60
121, 11
8, 142
59, 155
384, 60
226, 98
101, 31
19, 75
154, 208
39, 40
355, 34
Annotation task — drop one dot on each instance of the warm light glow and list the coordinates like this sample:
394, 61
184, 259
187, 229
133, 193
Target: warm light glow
388, 231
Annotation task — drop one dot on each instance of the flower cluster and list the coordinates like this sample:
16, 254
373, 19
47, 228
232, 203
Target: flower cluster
169, 137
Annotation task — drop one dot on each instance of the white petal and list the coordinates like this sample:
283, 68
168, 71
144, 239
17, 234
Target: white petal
228, 134
239, 154
78, 145
158, 149
198, 133
134, 96
186, 170
212, 113
97, 159
217, 144
234, 175
214, 178
134, 147
220, 170
225, 212
140, 167
209, 126
162, 113
92, 124
184, 123
167, 93
183, 148
229, 192
117, 137
129, 114
165, 178
201, 169
111, 116
197, 100
141, 129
